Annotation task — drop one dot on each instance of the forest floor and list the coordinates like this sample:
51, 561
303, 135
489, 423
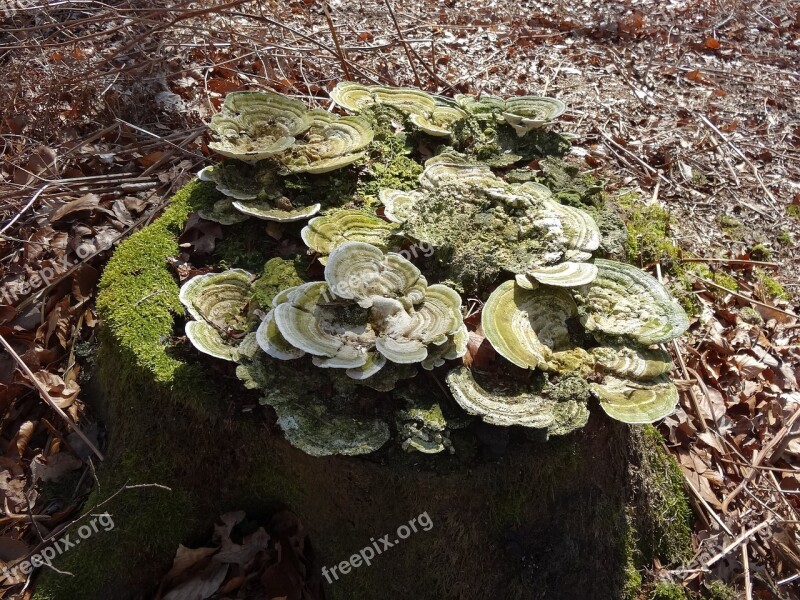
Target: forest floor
687, 110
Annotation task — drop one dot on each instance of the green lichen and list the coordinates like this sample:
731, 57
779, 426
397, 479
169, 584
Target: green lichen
489, 139
785, 238
793, 210
569, 185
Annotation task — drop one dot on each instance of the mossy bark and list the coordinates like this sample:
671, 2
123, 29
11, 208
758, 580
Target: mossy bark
546, 520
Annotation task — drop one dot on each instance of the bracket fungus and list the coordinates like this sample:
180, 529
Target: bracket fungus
531, 329
371, 308
637, 402
581, 326
624, 301
217, 302
527, 326
526, 113
257, 125
423, 110
508, 403
323, 234
331, 142
484, 225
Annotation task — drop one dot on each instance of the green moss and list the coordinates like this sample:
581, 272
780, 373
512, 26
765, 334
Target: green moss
390, 167
760, 252
665, 590
716, 590
785, 238
663, 518
138, 293
278, 274
243, 247
793, 210
731, 226
771, 286
149, 381
633, 575
648, 231
717, 276
569, 185
335, 189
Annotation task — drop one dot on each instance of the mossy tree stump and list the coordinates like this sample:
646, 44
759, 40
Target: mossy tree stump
547, 519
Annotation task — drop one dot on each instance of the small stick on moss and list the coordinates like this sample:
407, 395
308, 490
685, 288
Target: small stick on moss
47, 397
335, 36
733, 261
743, 297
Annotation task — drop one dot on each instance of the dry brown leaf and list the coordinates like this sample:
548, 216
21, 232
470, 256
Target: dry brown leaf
86, 202
63, 394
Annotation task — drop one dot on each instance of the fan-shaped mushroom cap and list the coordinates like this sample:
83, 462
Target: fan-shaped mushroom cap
484, 104
440, 121
255, 189
515, 405
580, 229
330, 143
398, 205
625, 301
372, 307
323, 234
257, 125
632, 363
565, 274
448, 168
356, 97
217, 302
526, 326
637, 402
360, 271
270, 211
525, 113
272, 342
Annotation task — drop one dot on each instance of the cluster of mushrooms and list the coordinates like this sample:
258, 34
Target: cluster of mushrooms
331, 356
